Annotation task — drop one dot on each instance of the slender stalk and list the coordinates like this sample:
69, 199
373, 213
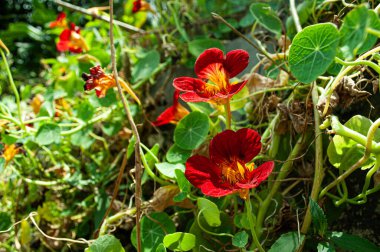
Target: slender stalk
319, 172
296, 19
258, 48
227, 110
14, 88
248, 206
358, 63
340, 76
138, 190
283, 173
359, 163
104, 18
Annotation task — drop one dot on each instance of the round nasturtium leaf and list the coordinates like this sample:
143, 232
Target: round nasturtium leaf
240, 239
209, 211
312, 51
176, 154
48, 133
153, 230
191, 131
179, 241
266, 17
106, 243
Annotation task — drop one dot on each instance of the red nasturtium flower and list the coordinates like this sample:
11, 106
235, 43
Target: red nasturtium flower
214, 71
101, 82
71, 40
60, 21
228, 169
172, 114
141, 5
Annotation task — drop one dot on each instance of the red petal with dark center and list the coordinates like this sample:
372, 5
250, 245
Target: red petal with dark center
200, 169
209, 189
208, 57
229, 146
75, 49
236, 61
193, 97
257, 176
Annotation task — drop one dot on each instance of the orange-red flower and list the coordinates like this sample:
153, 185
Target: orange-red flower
71, 40
172, 114
101, 82
60, 21
10, 151
141, 5
229, 168
214, 71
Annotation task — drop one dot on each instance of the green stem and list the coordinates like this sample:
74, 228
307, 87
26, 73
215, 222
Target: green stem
286, 168
358, 63
340, 76
373, 32
14, 88
252, 225
319, 172
150, 172
267, 90
360, 162
227, 110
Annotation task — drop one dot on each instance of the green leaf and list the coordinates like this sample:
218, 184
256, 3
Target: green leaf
344, 152
82, 138
179, 241
374, 23
354, 31
191, 131
318, 217
176, 154
5, 221
168, 169
209, 211
288, 242
312, 51
265, 16
153, 231
106, 243
183, 184
325, 247
240, 239
48, 133
161, 248
2, 164
146, 65
111, 128
85, 111
196, 47
352, 242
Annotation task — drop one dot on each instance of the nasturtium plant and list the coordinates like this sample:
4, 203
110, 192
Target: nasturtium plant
265, 16
312, 51
344, 152
106, 243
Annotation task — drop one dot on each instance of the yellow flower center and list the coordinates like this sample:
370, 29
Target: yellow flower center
218, 79
236, 172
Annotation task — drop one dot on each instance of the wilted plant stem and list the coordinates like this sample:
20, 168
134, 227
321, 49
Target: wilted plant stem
319, 173
248, 207
138, 166
283, 173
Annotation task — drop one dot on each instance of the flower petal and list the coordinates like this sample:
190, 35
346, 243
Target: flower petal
188, 84
210, 189
63, 45
208, 57
236, 61
165, 117
193, 97
236, 88
200, 169
65, 35
257, 175
230, 146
